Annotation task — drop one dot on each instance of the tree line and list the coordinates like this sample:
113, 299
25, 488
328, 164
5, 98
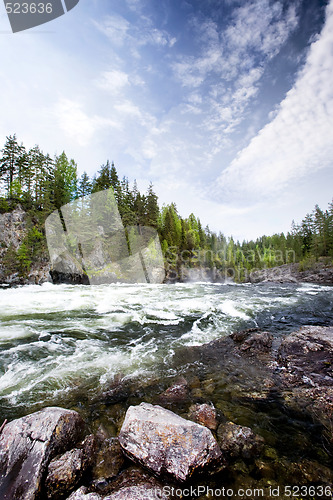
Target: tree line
42, 184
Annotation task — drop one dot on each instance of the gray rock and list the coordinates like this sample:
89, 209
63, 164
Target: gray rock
239, 441
28, 444
140, 492
305, 368
166, 444
307, 356
13, 227
135, 484
82, 494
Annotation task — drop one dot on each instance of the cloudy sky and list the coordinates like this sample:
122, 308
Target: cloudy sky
225, 105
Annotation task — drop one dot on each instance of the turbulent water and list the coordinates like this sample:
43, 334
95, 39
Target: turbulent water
58, 340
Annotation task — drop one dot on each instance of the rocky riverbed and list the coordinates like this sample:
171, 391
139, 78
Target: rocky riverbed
250, 410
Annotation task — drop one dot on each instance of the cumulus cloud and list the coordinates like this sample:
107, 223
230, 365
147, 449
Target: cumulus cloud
113, 81
298, 140
77, 124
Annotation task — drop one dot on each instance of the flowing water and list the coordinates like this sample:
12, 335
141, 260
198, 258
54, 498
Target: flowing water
54, 339
63, 345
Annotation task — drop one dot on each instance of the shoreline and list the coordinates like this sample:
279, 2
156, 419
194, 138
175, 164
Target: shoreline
318, 273
292, 379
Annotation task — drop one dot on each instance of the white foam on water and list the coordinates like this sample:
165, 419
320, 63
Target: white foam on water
230, 308
54, 338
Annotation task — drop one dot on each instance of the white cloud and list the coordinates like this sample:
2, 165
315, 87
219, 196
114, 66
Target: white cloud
298, 141
228, 70
113, 81
123, 33
116, 28
78, 125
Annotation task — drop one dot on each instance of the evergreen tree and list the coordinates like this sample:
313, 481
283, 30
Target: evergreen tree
84, 185
103, 179
65, 180
10, 162
152, 210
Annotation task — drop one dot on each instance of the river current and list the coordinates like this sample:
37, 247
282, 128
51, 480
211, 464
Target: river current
60, 341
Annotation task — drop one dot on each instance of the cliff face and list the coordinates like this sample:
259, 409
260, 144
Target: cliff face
13, 231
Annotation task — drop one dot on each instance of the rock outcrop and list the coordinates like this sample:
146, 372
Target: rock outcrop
305, 368
13, 229
28, 444
166, 444
319, 272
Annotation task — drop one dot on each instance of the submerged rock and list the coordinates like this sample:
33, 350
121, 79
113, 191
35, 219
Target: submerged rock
238, 441
305, 368
166, 444
109, 459
177, 393
135, 484
307, 357
83, 494
204, 414
28, 444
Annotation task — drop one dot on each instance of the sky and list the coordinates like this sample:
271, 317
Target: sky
226, 106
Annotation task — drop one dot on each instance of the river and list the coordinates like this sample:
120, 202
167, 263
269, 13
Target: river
57, 339
70, 345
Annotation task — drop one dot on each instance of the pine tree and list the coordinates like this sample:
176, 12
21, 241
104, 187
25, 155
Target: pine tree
103, 179
84, 185
152, 210
65, 180
10, 162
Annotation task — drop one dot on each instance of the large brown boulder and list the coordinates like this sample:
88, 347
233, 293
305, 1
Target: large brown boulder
28, 444
166, 444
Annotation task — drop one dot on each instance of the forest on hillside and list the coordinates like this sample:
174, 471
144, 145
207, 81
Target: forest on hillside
42, 184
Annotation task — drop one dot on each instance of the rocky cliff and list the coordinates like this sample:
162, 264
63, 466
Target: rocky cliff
15, 267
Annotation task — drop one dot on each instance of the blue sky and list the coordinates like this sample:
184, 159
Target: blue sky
225, 105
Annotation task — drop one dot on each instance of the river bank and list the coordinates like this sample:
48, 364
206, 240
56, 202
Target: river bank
16, 269
262, 403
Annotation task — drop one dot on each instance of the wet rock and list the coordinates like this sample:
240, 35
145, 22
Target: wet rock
64, 473
28, 444
109, 459
305, 368
89, 450
238, 441
177, 393
135, 484
315, 473
307, 356
167, 444
204, 414
83, 494
257, 343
